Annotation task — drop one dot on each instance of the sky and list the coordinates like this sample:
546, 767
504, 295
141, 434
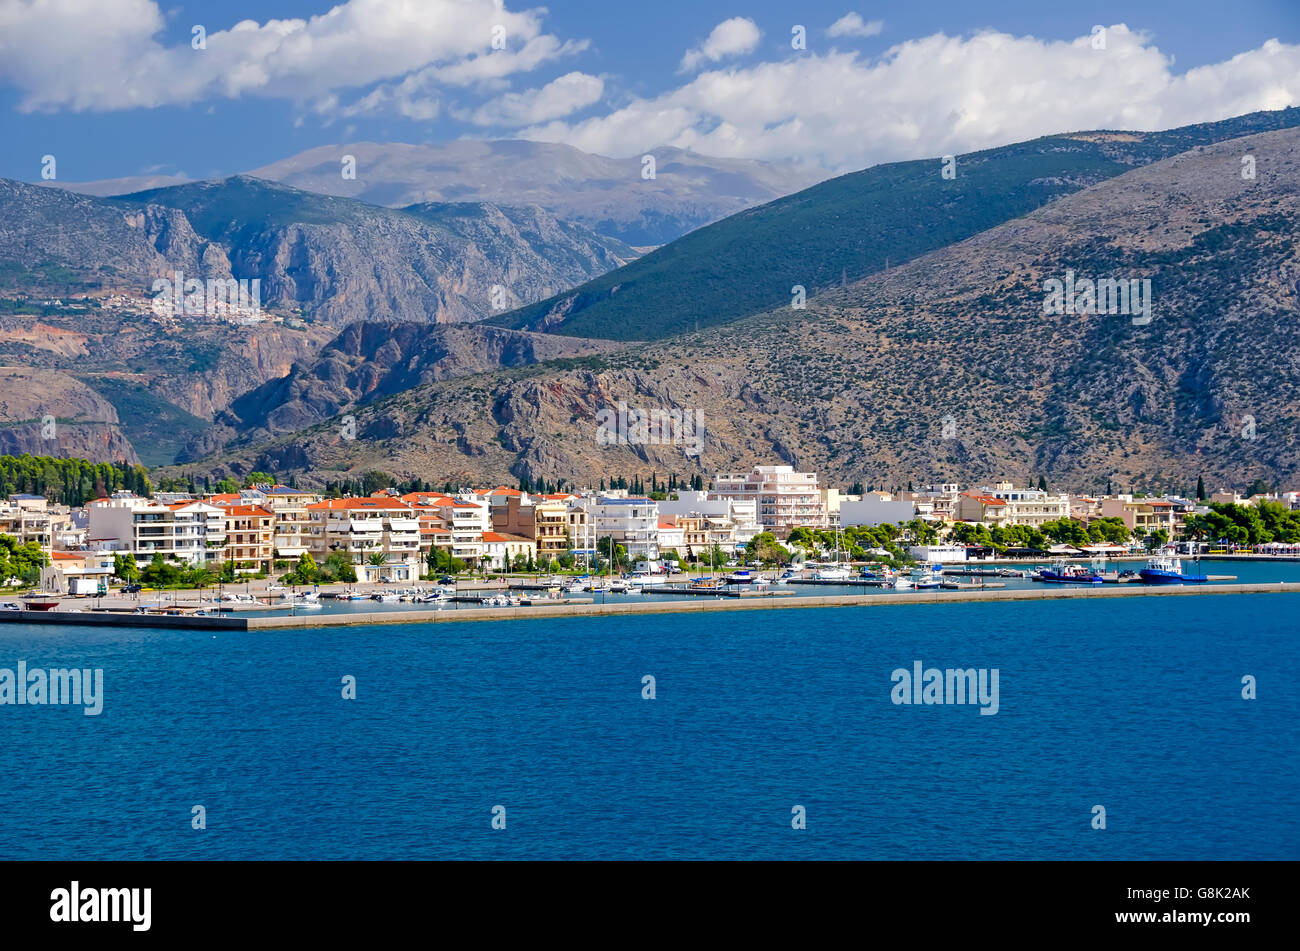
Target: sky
115, 88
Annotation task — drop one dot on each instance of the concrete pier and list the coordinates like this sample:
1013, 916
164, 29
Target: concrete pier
561, 609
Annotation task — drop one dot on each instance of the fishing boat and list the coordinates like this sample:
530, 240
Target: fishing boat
707, 584
1062, 573
1167, 570
39, 602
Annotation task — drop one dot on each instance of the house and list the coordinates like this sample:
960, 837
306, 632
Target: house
501, 549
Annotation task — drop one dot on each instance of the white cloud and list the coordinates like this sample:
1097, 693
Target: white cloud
934, 96
853, 25
107, 54
558, 98
733, 37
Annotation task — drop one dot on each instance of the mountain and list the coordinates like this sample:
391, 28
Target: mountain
369, 360
944, 368
47, 413
331, 260
850, 227
606, 195
77, 276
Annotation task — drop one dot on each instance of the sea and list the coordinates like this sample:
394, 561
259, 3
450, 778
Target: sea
1125, 728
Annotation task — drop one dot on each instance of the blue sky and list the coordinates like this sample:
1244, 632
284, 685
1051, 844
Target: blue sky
115, 89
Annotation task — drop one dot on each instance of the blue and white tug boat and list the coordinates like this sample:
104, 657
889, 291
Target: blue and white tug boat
1165, 569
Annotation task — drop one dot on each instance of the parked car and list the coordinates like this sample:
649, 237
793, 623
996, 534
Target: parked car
130, 588
446, 579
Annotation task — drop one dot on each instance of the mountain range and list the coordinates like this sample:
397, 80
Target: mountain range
922, 350
943, 368
610, 196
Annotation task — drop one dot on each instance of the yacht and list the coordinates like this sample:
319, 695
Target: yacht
832, 573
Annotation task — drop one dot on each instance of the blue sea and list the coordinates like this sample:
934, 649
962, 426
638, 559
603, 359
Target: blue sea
1133, 704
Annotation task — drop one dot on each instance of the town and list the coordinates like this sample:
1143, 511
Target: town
770, 516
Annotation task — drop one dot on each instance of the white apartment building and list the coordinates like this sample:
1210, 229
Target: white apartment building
876, 508
26, 518
1005, 505
785, 499
184, 533
731, 523
378, 535
633, 522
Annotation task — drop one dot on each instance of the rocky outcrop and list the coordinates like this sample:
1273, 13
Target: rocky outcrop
47, 413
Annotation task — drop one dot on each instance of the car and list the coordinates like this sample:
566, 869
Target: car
131, 588
446, 579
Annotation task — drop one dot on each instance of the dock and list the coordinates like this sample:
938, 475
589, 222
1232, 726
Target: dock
731, 592
755, 601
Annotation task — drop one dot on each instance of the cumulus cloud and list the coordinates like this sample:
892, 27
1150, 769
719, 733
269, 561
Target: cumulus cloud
853, 25
935, 95
558, 98
107, 54
733, 37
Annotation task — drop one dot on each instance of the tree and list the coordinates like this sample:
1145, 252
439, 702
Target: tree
1200, 488
258, 478
124, 567
764, 548
802, 537
375, 480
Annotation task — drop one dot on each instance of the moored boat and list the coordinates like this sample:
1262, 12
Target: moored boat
1062, 573
1166, 570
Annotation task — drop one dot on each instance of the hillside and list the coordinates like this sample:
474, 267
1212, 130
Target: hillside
369, 360
945, 368
850, 227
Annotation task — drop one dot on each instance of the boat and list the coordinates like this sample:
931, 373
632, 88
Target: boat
740, 577
385, 596
832, 573
927, 578
1166, 570
1062, 573
619, 587
39, 602
900, 582
707, 584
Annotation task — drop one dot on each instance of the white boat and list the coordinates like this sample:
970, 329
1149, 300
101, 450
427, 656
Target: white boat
832, 573
901, 582
386, 596
639, 581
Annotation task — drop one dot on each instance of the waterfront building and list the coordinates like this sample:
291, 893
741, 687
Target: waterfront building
634, 522
378, 535
877, 508
502, 548
784, 499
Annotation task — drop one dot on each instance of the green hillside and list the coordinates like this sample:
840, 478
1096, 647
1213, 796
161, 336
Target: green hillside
850, 227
